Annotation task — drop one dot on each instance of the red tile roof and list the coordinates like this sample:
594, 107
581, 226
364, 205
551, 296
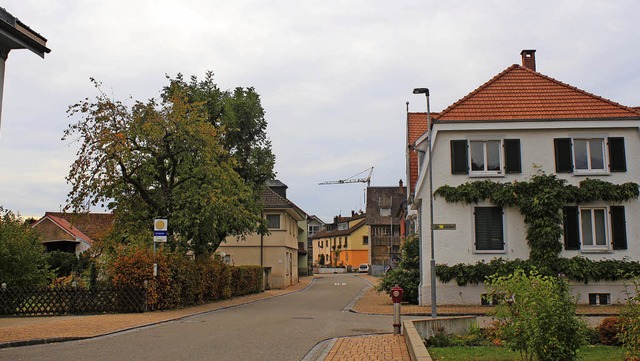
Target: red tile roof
416, 127
90, 227
64, 224
521, 93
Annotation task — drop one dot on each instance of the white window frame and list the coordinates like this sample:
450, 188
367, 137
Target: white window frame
594, 248
605, 155
485, 172
473, 230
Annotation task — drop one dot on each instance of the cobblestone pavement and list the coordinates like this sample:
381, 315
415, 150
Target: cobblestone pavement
369, 348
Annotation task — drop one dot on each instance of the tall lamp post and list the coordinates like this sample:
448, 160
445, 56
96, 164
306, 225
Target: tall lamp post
432, 269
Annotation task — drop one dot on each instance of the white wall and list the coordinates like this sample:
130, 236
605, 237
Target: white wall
537, 153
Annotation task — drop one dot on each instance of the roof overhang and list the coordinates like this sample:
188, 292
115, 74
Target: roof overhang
16, 35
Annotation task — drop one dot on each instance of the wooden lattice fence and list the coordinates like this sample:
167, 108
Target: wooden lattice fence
47, 301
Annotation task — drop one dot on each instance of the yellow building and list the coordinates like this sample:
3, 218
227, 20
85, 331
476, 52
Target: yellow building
345, 243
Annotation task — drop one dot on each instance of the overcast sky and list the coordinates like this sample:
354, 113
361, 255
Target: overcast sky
334, 76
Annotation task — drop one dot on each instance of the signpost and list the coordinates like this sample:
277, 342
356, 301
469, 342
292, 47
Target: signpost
444, 226
160, 232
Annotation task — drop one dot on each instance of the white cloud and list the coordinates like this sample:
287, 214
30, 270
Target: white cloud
333, 76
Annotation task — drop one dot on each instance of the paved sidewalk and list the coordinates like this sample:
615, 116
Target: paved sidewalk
19, 331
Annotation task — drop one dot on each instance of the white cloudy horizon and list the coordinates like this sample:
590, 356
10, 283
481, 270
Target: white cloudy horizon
334, 76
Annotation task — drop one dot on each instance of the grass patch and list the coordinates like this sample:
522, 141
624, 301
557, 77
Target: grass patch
488, 353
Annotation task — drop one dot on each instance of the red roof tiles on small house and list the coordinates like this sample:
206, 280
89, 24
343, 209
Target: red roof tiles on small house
519, 93
65, 225
89, 227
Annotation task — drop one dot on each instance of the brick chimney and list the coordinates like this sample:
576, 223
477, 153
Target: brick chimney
529, 59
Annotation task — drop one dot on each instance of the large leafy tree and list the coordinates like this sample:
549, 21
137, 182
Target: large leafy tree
159, 159
23, 261
239, 114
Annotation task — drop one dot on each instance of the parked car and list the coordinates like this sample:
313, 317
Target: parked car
364, 268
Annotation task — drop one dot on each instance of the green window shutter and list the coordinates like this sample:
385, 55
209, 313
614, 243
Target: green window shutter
459, 157
571, 233
488, 229
564, 158
512, 157
618, 227
617, 157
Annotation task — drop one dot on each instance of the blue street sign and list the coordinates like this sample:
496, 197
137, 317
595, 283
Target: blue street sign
160, 233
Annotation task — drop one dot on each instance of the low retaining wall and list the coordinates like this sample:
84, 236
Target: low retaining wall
415, 331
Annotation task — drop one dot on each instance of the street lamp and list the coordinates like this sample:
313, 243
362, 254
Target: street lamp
425, 91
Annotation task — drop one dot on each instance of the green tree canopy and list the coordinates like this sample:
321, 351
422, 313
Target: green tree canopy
239, 114
159, 159
22, 258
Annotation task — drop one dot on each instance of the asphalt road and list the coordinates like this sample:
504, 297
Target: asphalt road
280, 328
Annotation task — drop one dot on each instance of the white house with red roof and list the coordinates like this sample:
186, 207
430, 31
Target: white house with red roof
72, 232
514, 126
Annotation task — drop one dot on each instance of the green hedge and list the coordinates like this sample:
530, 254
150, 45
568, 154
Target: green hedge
578, 269
182, 282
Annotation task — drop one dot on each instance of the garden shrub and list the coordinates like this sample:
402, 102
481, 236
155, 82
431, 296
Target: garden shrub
629, 321
133, 266
407, 274
22, 257
608, 330
181, 281
537, 316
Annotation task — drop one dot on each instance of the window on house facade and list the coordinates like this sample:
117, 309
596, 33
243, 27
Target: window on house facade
314, 229
599, 298
591, 228
273, 221
365, 240
385, 212
489, 233
589, 155
380, 231
345, 242
485, 157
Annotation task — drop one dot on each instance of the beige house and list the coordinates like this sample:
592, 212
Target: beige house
278, 251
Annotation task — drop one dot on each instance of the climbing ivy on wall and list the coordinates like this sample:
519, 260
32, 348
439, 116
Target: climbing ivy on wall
540, 201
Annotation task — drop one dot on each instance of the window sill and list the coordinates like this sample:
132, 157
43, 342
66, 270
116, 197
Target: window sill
596, 250
502, 251
485, 175
589, 173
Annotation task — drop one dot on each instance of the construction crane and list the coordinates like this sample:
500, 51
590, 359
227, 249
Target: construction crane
353, 179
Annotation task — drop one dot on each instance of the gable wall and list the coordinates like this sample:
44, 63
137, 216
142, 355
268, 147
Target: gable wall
50, 231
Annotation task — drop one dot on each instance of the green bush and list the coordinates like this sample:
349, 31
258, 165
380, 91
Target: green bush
629, 319
23, 261
407, 274
62, 263
537, 316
